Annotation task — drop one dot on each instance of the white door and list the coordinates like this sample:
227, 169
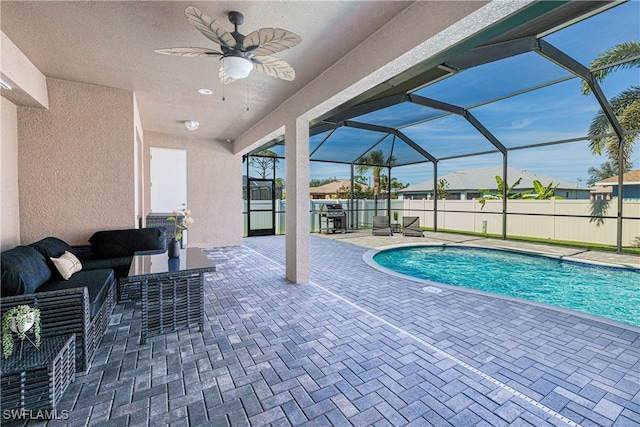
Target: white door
168, 181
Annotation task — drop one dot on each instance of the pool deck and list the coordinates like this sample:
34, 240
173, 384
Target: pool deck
359, 347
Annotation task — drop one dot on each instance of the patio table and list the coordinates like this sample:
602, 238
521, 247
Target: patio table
36, 379
171, 290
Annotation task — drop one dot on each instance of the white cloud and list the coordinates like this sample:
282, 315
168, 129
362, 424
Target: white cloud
522, 123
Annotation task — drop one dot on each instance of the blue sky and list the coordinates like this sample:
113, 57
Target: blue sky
554, 113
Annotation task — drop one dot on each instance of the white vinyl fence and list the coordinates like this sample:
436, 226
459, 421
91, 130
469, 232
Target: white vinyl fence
550, 219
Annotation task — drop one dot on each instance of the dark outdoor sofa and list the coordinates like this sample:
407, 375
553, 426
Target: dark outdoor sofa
82, 304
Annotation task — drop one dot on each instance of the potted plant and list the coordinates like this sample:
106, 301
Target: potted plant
175, 243
19, 320
395, 217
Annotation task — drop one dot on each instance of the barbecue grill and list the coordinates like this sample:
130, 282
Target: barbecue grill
333, 218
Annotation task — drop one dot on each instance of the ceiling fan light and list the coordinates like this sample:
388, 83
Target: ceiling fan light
191, 125
237, 67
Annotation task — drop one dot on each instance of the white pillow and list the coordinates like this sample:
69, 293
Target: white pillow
67, 264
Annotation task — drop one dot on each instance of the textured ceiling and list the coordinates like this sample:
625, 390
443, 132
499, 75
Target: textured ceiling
112, 44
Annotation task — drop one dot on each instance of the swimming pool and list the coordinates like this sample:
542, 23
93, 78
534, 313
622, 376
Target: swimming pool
608, 292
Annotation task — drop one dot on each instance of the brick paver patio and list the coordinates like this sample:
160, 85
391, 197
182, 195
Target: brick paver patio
357, 347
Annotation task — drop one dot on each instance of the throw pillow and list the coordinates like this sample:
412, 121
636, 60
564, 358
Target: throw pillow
23, 270
67, 264
52, 247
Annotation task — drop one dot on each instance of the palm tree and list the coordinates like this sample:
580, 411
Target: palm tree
606, 170
626, 105
375, 160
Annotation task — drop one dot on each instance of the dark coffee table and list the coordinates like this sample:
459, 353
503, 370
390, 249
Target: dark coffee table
171, 290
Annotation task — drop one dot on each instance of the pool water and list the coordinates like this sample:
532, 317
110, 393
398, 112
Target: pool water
613, 293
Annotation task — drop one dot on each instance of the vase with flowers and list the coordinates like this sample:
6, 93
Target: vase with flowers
180, 227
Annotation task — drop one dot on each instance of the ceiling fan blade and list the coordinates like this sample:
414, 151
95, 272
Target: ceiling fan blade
209, 28
224, 79
267, 41
189, 52
273, 67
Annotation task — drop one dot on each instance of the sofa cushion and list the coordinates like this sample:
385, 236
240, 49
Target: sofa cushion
52, 247
120, 265
121, 243
23, 270
67, 264
96, 281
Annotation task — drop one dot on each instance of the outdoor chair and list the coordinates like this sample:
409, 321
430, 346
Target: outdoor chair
381, 226
411, 226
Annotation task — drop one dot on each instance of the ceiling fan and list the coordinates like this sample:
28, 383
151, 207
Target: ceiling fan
240, 54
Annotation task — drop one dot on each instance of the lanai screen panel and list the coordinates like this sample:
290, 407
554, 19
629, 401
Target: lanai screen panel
394, 151
448, 136
586, 39
522, 100
346, 145
316, 140
398, 115
403, 154
494, 80
553, 113
278, 149
573, 159
382, 149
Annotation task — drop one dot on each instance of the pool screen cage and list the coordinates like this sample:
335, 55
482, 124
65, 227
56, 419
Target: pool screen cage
451, 106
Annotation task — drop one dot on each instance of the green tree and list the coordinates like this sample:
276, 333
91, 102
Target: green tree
539, 192
344, 192
317, 182
280, 187
264, 161
443, 186
625, 105
489, 195
376, 161
395, 185
606, 170
542, 192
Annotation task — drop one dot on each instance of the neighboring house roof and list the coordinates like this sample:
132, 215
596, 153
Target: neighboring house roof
602, 189
333, 187
629, 178
485, 179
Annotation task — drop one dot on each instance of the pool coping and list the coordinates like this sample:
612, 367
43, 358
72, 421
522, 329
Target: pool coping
367, 257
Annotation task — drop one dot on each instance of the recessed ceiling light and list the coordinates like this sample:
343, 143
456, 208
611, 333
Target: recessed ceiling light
191, 124
205, 91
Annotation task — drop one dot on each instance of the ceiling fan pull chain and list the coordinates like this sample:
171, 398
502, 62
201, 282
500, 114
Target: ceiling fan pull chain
247, 91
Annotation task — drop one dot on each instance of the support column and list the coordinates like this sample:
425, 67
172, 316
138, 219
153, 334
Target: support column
297, 201
435, 197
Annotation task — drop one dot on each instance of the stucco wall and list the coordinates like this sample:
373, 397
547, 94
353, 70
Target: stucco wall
9, 198
76, 163
214, 188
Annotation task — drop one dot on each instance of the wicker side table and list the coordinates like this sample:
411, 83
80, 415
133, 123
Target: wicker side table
39, 378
